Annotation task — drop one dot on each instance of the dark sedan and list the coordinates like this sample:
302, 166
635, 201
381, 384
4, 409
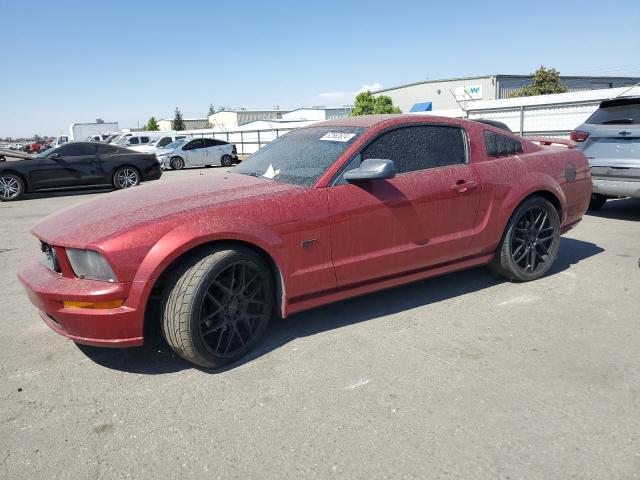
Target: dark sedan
77, 164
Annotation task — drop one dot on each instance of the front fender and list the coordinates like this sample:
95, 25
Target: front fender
186, 237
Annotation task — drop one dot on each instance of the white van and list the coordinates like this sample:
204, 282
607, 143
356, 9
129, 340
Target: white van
156, 144
138, 138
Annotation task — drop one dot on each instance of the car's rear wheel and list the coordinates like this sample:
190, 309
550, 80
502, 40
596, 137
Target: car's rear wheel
176, 163
226, 160
597, 201
218, 307
11, 187
126, 177
530, 243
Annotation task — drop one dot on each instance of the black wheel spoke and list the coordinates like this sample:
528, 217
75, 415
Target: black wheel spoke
233, 309
532, 239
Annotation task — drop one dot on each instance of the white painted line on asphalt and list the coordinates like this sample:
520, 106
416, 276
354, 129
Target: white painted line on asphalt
358, 384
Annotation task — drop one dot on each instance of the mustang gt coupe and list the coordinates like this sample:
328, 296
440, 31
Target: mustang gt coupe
327, 212
76, 165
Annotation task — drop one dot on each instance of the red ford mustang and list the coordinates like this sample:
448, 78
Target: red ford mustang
327, 212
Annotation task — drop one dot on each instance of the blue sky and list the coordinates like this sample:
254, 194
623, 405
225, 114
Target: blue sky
65, 61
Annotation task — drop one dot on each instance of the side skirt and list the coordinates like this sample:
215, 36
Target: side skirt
307, 302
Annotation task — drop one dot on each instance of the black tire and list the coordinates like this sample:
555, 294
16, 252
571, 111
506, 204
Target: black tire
218, 307
533, 231
226, 161
176, 163
126, 177
597, 201
11, 187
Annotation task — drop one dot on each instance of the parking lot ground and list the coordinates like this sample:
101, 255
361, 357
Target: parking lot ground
462, 376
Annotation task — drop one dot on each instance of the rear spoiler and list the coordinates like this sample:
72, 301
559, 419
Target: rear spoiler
567, 142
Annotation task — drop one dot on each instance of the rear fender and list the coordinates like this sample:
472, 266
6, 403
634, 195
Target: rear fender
533, 182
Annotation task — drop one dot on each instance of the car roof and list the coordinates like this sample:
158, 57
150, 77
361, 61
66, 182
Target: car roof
620, 101
368, 121
363, 121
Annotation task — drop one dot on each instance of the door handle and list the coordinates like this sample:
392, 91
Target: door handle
463, 185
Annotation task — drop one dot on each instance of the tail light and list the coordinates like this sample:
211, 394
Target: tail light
578, 136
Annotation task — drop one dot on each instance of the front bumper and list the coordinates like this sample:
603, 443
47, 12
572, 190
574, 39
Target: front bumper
616, 188
113, 327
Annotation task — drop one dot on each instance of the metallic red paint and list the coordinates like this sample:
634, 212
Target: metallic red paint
365, 238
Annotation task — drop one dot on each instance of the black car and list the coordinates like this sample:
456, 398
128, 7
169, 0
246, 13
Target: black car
77, 164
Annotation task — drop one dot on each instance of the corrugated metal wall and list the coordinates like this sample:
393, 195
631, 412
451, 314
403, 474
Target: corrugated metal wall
508, 85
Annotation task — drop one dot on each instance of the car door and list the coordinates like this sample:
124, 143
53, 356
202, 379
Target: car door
73, 164
211, 152
422, 217
194, 153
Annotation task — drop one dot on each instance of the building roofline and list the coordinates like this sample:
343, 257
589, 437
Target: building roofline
499, 75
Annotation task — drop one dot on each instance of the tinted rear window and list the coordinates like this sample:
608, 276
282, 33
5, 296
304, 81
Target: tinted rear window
625, 114
108, 149
498, 145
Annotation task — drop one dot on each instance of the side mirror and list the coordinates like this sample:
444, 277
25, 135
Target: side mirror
54, 156
372, 169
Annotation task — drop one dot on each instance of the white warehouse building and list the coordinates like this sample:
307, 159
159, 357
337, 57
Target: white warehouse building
454, 93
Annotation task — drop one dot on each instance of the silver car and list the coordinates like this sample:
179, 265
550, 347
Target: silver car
610, 139
197, 152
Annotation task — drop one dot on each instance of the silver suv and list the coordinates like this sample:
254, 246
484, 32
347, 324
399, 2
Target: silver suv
610, 139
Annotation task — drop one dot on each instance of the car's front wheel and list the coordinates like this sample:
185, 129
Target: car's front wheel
126, 177
11, 187
530, 243
176, 163
218, 306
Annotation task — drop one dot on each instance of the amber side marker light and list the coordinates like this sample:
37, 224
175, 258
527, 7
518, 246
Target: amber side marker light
94, 305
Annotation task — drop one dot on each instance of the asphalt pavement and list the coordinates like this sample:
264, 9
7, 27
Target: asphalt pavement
463, 376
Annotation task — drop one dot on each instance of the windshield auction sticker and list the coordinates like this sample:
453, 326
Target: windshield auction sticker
337, 137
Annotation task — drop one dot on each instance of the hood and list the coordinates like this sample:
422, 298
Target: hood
114, 213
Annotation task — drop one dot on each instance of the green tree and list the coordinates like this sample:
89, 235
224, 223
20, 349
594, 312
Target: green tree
178, 122
152, 125
544, 82
367, 104
212, 110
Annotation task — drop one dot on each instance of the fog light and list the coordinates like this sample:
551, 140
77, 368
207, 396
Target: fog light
94, 305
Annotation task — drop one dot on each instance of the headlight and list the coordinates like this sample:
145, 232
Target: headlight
90, 265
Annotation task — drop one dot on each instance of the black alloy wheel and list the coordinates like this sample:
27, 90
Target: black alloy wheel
218, 306
530, 243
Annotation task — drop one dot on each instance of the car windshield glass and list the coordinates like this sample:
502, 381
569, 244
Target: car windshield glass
175, 144
46, 153
300, 157
616, 115
121, 140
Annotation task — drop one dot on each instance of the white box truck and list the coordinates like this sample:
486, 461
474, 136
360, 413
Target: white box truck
79, 132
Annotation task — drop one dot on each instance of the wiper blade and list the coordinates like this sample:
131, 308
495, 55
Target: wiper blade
616, 121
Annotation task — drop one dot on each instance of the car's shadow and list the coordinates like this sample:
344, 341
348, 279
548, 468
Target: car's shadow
155, 357
623, 209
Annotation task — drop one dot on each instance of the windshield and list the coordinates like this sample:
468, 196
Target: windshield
122, 140
176, 144
300, 157
623, 114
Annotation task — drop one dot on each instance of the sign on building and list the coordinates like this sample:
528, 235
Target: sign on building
469, 92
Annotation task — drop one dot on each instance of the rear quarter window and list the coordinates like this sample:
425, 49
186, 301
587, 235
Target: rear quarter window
497, 145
